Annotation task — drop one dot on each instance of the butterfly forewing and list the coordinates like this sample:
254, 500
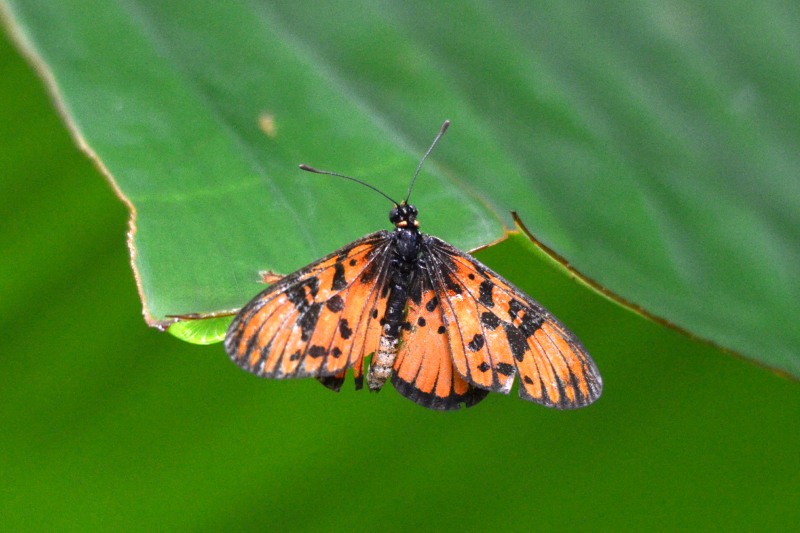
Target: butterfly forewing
318, 321
495, 329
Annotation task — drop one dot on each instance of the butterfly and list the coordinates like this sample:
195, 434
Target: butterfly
442, 326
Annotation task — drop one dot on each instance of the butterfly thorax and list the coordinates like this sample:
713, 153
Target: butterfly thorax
407, 236
406, 248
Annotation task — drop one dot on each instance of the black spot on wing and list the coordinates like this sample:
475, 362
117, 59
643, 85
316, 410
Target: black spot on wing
344, 329
476, 343
490, 320
308, 321
440, 330
421, 322
514, 308
313, 286
336, 352
297, 294
531, 323
317, 351
486, 293
504, 369
432, 303
335, 303
339, 281
516, 341
484, 366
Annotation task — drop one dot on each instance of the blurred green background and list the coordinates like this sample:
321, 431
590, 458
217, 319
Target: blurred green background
109, 424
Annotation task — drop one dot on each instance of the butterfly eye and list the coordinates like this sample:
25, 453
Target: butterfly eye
395, 216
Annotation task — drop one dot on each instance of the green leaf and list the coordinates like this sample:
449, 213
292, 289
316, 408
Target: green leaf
652, 145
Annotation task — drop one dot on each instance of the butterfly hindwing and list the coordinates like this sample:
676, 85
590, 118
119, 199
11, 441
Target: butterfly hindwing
495, 331
478, 356
423, 370
318, 321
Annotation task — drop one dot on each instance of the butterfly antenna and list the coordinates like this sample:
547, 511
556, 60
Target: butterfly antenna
328, 173
424, 157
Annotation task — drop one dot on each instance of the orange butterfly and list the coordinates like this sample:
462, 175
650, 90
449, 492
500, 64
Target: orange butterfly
444, 327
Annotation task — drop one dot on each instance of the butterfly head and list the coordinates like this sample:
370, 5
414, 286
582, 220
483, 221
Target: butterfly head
404, 216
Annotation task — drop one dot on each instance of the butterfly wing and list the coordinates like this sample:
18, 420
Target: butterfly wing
494, 331
423, 369
318, 321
